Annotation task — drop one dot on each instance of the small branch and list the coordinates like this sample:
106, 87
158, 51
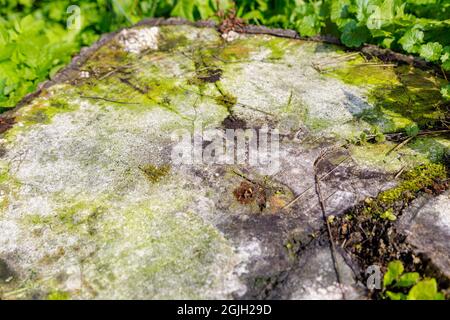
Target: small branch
108, 100
244, 177
310, 187
400, 145
324, 216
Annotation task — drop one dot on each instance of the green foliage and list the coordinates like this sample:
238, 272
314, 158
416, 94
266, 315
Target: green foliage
388, 215
374, 135
399, 285
394, 271
431, 51
445, 92
58, 295
412, 130
35, 41
425, 290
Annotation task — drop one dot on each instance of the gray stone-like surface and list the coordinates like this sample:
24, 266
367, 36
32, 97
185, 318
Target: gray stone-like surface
427, 225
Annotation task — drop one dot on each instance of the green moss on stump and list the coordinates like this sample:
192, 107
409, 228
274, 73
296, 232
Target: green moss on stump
413, 181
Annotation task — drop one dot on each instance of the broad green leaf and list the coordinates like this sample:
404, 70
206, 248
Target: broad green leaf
4, 37
408, 279
354, 35
254, 14
425, 290
387, 42
412, 130
411, 40
184, 9
396, 295
445, 91
2, 86
389, 215
445, 58
125, 8
364, 9
394, 271
6, 51
339, 10
309, 26
204, 8
431, 51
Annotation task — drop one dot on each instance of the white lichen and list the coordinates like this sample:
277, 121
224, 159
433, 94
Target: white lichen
138, 40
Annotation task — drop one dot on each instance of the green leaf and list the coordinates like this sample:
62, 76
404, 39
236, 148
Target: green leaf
431, 51
309, 26
408, 279
184, 9
411, 40
395, 270
387, 42
425, 290
445, 91
204, 8
445, 58
396, 295
339, 10
354, 35
412, 130
364, 9
389, 215
2, 87
254, 14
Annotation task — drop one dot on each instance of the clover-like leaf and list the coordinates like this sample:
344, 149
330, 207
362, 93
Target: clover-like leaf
412, 40
354, 35
395, 295
412, 130
431, 51
425, 290
408, 280
394, 271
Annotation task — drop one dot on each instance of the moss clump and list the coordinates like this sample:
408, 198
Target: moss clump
44, 111
155, 173
278, 47
389, 203
171, 40
238, 50
414, 181
358, 73
225, 99
58, 295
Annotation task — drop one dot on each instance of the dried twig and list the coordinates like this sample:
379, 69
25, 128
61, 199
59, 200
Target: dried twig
330, 236
400, 145
108, 100
311, 186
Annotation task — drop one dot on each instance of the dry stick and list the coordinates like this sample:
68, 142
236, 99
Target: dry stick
337, 60
118, 69
368, 64
310, 187
404, 142
227, 100
330, 236
243, 177
443, 73
398, 174
423, 133
108, 100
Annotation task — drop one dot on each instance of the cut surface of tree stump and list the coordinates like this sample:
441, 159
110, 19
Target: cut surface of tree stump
104, 193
